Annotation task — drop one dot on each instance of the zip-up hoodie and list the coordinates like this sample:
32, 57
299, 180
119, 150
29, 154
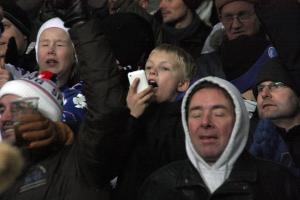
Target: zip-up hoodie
214, 175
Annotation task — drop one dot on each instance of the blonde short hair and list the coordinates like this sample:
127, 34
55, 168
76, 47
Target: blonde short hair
184, 60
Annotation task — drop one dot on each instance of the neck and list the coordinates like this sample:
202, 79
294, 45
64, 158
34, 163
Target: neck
185, 21
288, 123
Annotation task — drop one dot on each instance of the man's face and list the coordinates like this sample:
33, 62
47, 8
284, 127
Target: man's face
210, 120
239, 18
10, 30
55, 52
173, 11
277, 102
6, 119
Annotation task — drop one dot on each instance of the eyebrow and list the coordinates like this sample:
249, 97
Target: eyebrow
218, 106
59, 40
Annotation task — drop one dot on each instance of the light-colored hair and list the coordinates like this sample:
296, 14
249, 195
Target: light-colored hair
184, 60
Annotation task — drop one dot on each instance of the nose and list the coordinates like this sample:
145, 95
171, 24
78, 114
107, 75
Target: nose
265, 92
6, 116
51, 49
152, 74
236, 23
206, 120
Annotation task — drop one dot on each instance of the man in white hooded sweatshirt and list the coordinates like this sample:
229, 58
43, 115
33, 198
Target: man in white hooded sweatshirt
216, 125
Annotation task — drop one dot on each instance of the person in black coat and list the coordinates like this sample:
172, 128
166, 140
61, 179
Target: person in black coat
85, 168
216, 125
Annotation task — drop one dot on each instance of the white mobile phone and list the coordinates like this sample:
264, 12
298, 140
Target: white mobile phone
143, 84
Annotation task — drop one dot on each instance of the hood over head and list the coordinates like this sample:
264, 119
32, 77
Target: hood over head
52, 23
214, 175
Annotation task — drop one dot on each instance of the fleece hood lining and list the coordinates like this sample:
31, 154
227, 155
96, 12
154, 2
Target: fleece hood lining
221, 169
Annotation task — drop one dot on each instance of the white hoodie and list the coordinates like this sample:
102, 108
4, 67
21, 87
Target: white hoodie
214, 175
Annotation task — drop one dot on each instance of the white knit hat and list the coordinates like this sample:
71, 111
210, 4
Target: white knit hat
50, 98
51, 23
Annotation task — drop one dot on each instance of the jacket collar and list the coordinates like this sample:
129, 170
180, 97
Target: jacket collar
244, 170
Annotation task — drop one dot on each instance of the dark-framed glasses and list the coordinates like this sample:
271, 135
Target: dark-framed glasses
273, 86
242, 17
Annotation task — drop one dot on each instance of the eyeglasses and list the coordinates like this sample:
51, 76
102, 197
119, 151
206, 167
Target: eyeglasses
271, 86
242, 17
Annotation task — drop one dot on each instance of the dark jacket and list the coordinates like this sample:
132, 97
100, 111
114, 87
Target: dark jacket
281, 21
83, 170
253, 52
250, 179
273, 143
191, 38
58, 176
159, 141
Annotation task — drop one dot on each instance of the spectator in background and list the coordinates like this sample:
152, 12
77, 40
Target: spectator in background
176, 22
181, 26
241, 49
16, 39
281, 21
216, 126
277, 135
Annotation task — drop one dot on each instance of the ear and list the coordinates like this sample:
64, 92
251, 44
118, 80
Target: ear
183, 86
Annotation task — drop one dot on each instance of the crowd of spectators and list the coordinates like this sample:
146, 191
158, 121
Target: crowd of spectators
220, 118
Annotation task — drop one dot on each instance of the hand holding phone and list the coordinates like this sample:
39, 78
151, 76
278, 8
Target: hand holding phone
143, 83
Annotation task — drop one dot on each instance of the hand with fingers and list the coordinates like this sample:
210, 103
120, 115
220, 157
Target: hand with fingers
39, 131
138, 102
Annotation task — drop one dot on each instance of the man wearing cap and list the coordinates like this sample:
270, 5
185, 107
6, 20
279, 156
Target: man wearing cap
238, 17
237, 53
277, 135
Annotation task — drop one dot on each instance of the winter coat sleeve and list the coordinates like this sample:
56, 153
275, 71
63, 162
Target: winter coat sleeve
102, 139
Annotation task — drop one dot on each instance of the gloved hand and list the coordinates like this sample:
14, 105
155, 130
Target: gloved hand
38, 131
70, 11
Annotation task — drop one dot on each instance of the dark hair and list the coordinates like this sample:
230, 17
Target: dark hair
210, 85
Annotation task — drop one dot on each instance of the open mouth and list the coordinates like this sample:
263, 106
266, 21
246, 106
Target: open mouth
51, 62
153, 84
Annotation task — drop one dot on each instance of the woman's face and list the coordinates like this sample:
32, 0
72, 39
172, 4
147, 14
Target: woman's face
55, 52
